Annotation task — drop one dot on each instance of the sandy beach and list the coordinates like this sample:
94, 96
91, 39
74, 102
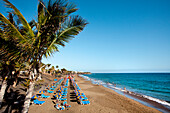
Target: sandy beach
118, 62
103, 100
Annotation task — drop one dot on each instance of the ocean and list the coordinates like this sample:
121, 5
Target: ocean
153, 86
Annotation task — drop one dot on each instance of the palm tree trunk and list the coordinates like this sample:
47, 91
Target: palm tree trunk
16, 78
38, 69
2, 92
4, 83
15, 83
28, 98
39, 76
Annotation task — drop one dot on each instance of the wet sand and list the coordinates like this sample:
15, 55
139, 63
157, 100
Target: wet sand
102, 100
148, 102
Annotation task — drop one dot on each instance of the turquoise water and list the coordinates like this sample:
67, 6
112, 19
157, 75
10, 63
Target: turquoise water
155, 85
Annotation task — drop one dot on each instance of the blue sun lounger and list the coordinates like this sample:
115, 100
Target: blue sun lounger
44, 96
63, 96
62, 99
65, 89
52, 88
50, 91
84, 102
38, 102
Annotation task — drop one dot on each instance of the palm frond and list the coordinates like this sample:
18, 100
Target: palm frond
51, 50
11, 28
72, 26
71, 8
21, 17
41, 2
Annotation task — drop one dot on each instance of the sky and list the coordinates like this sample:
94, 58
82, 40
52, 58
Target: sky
122, 36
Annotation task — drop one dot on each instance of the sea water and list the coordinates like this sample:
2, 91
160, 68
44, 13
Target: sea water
153, 86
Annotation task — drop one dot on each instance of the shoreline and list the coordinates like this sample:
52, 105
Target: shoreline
150, 103
102, 100
136, 97
121, 101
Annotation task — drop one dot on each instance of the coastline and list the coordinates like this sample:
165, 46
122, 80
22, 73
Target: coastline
134, 96
114, 100
102, 100
150, 103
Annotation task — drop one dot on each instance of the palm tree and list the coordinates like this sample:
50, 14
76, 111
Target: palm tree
43, 68
19, 67
63, 70
12, 52
52, 70
57, 66
48, 65
55, 27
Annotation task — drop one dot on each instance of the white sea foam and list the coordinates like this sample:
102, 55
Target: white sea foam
109, 85
156, 100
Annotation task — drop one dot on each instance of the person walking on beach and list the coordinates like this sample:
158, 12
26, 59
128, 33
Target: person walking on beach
124, 88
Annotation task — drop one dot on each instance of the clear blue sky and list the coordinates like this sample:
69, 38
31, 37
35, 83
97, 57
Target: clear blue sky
122, 36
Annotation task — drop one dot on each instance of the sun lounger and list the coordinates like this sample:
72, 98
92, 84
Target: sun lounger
62, 99
52, 88
38, 102
63, 96
84, 102
63, 91
65, 88
50, 91
66, 105
59, 107
44, 96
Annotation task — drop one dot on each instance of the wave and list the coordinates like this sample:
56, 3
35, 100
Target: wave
156, 100
112, 86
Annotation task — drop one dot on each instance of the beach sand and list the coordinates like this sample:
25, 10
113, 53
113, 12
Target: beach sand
102, 100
